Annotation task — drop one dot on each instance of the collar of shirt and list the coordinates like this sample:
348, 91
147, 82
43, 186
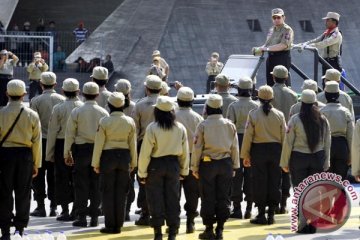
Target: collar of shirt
185, 108
90, 102
15, 103
49, 91
215, 116
333, 104
245, 98
74, 99
280, 85
153, 95
223, 93
329, 31
117, 114
278, 28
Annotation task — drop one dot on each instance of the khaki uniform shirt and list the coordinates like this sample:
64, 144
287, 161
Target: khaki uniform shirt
227, 100
296, 140
340, 120
144, 114
27, 131
43, 105
297, 106
163, 63
344, 99
8, 67
332, 42
190, 119
213, 69
238, 112
263, 129
130, 109
158, 142
57, 124
114, 132
355, 151
35, 71
215, 138
83, 124
282, 34
284, 98
103, 97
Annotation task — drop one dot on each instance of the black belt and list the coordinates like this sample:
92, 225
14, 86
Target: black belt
279, 53
167, 157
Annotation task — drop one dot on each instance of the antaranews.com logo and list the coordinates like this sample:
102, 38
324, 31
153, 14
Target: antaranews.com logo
321, 202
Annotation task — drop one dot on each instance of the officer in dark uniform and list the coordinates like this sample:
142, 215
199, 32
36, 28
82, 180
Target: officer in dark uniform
341, 126
20, 159
261, 149
214, 163
278, 45
237, 113
163, 160
114, 157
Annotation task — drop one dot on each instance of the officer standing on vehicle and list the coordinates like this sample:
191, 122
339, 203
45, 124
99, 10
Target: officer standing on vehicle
344, 99
143, 115
163, 160
214, 163
80, 133
190, 119
278, 45
329, 43
341, 126
43, 105
213, 68
238, 112
100, 76
114, 158
311, 85
20, 158
222, 86
64, 189
261, 149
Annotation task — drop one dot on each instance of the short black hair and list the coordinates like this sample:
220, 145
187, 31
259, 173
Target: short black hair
100, 82
332, 97
154, 91
336, 21
244, 92
90, 96
70, 94
47, 86
280, 80
15, 98
212, 111
115, 109
182, 103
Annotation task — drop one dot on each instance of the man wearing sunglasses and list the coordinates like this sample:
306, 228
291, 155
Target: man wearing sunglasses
277, 44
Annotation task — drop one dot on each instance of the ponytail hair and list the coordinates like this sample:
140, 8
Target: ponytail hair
266, 105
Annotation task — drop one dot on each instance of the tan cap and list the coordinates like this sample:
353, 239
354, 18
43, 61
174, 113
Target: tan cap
100, 73
185, 94
266, 92
214, 101
310, 84
215, 54
153, 82
222, 80
156, 53
308, 96
280, 71
164, 103
70, 85
15, 88
37, 55
123, 85
332, 87
48, 78
277, 12
164, 88
332, 75
91, 88
333, 15
4, 52
245, 83
117, 99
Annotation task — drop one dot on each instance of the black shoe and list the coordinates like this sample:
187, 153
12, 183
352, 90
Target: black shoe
247, 214
277, 209
65, 217
20, 231
94, 222
283, 210
236, 213
172, 233
127, 217
172, 237
261, 220
219, 234
80, 222
39, 212
207, 234
271, 220
157, 233
190, 226
110, 230
144, 220
53, 212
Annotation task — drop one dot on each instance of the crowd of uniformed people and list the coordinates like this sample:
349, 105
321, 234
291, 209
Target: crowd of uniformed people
89, 148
